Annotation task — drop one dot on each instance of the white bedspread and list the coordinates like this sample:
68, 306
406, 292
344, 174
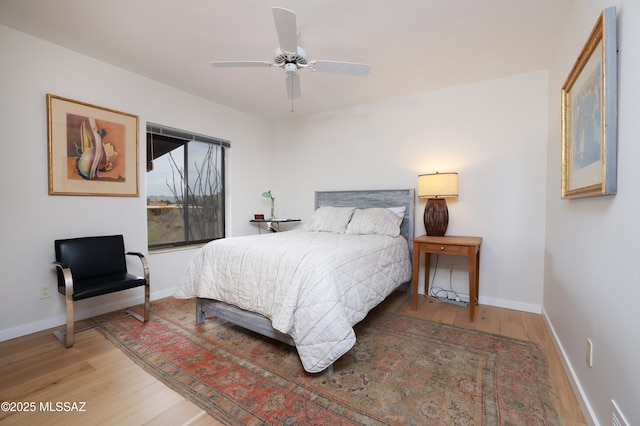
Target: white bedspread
314, 286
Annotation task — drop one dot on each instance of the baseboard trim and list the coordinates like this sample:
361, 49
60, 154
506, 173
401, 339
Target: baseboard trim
583, 401
61, 319
510, 304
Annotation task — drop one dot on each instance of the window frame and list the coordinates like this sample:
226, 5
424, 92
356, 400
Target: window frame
185, 137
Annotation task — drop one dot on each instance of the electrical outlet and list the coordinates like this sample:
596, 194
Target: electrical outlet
589, 353
451, 268
45, 292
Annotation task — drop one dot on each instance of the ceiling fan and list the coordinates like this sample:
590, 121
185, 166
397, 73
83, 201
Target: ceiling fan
291, 57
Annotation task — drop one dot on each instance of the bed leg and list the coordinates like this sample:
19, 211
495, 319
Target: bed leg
199, 311
328, 371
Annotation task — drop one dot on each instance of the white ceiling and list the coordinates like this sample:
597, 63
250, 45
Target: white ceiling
413, 46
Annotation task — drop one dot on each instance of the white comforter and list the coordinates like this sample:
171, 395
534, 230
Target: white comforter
314, 286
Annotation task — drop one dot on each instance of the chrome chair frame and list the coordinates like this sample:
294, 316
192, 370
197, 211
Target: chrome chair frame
67, 339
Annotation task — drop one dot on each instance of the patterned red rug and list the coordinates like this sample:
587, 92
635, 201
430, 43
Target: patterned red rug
402, 371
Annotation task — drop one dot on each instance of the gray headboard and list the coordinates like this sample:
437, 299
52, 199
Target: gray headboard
377, 198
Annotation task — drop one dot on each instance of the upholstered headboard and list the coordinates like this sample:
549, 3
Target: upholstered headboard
376, 198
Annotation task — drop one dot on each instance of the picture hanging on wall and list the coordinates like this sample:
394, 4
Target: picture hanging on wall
589, 115
92, 150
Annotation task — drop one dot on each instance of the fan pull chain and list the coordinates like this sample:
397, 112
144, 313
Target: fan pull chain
291, 94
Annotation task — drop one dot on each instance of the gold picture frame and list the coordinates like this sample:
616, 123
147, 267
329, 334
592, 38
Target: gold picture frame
589, 115
92, 150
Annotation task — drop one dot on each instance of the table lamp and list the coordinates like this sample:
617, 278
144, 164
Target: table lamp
436, 187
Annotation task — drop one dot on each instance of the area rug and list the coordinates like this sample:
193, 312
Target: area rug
402, 371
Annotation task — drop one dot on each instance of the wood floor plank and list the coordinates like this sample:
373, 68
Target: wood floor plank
36, 367
138, 412
181, 413
485, 321
204, 420
511, 324
21, 390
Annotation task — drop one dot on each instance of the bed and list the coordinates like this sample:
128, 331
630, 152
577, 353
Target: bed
308, 287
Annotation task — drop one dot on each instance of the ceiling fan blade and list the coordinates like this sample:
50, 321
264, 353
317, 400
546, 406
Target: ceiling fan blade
349, 68
293, 86
236, 64
286, 28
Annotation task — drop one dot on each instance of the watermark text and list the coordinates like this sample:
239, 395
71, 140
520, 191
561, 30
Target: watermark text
51, 406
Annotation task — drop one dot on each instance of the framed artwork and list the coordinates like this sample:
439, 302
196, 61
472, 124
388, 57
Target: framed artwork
92, 150
589, 115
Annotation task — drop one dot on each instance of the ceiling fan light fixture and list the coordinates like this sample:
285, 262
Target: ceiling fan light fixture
290, 69
283, 57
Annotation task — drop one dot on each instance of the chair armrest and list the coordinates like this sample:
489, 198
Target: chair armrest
135, 253
68, 278
143, 260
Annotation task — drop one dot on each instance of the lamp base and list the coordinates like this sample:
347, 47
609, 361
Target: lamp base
436, 217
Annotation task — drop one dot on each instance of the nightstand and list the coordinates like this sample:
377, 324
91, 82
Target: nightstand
273, 225
458, 246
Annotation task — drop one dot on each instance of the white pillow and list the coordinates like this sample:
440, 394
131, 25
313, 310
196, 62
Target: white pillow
375, 221
329, 219
398, 210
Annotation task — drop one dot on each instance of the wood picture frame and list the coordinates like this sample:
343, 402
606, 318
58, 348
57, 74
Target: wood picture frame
589, 115
92, 150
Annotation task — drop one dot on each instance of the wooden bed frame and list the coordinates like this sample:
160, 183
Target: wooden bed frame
359, 199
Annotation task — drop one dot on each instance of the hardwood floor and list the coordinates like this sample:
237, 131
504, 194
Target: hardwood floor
112, 389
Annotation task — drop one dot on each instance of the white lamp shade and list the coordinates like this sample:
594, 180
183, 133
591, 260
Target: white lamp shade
438, 185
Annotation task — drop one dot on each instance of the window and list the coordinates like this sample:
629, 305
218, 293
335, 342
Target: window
185, 187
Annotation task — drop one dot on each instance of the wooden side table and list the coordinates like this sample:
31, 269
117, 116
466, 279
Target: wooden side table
459, 246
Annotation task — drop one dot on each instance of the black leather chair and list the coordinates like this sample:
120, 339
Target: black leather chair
93, 266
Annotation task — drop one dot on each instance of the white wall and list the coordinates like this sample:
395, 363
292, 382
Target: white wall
591, 275
31, 219
493, 133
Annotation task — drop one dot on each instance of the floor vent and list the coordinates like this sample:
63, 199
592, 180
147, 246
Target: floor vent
617, 417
